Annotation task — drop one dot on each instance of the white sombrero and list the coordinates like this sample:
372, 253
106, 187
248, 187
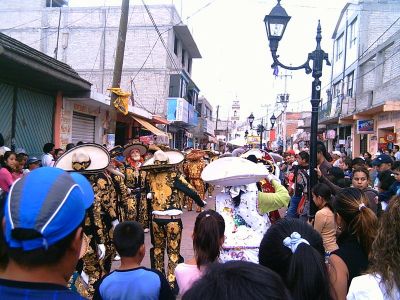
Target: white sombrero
139, 146
232, 171
163, 159
86, 158
256, 152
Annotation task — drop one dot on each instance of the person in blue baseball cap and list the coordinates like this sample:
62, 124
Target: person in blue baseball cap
382, 162
43, 234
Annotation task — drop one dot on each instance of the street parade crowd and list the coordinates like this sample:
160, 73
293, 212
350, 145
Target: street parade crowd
67, 215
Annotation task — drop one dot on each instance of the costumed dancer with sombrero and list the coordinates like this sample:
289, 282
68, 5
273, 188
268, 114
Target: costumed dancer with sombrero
192, 168
126, 202
244, 208
164, 182
91, 160
135, 180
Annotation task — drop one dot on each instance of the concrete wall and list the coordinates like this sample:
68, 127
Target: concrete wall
87, 42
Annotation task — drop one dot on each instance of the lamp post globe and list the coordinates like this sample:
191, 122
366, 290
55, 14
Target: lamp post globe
272, 120
250, 119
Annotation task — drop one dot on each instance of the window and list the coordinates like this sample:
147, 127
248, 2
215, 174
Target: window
339, 47
349, 83
183, 92
336, 89
176, 46
183, 57
353, 33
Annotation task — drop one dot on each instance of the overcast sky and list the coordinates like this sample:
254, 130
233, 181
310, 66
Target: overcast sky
232, 39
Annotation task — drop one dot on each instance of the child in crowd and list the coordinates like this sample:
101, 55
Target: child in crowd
386, 180
130, 280
294, 250
324, 221
208, 237
238, 280
347, 168
32, 164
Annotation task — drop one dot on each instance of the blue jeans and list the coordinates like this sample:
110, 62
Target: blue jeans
292, 210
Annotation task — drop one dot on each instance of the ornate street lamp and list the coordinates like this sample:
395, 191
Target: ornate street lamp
276, 23
272, 120
250, 119
260, 131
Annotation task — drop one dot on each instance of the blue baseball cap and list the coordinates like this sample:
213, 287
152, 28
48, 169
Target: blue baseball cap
45, 206
382, 159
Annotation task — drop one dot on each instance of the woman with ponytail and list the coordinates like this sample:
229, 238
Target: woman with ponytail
294, 250
382, 280
208, 237
358, 227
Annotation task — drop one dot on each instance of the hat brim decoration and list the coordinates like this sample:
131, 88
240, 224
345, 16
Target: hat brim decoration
117, 150
138, 146
233, 171
174, 158
99, 158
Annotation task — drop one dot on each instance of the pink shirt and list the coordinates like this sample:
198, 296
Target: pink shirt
186, 275
6, 180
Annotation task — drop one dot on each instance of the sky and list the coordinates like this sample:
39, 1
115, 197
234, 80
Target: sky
236, 60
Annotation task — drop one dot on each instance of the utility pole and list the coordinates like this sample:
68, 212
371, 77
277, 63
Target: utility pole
119, 60
284, 100
216, 122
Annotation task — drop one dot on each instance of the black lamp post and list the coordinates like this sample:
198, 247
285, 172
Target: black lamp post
250, 119
272, 120
276, 23
260, 131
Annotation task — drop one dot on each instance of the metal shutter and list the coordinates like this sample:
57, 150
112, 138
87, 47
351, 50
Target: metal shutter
6, 108
83, 128
34, 121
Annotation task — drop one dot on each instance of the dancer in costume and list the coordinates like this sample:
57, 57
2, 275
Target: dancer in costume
135, 180
91, 160
244, 208
192, 169
164, 182
126, 202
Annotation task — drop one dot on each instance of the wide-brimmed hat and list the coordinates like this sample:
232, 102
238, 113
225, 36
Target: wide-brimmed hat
85, 158
138, 146
153, 148
256, 152
233, 171
195, 154
116, 151
163, 159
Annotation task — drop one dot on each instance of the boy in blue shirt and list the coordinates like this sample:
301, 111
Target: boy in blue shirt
130, 280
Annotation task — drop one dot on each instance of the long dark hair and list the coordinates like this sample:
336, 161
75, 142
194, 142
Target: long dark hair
3, 162
303, 271
360, 221
322, 190
208, 235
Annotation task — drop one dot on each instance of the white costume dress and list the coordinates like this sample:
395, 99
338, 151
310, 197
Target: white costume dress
244, 225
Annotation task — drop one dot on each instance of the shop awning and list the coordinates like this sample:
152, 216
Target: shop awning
160, 120
150, 127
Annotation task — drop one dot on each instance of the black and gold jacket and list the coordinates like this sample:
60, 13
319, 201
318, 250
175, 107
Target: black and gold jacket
165, 185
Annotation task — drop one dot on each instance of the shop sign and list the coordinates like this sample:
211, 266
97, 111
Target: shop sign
365, 127
177, 110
